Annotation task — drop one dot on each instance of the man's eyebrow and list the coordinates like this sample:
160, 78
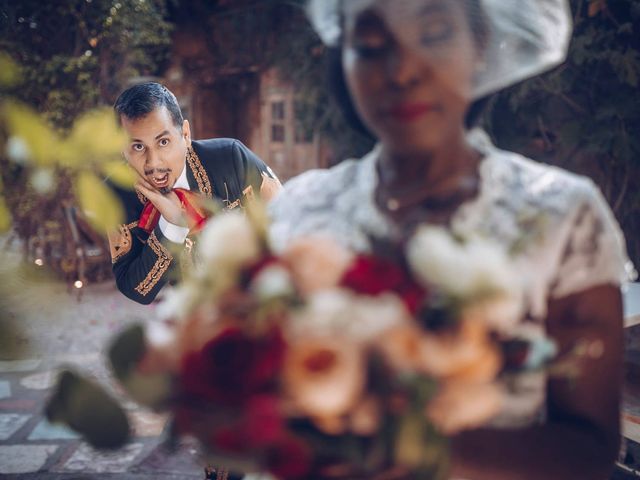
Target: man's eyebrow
161, 134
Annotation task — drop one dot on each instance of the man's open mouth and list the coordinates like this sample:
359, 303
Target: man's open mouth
160, 181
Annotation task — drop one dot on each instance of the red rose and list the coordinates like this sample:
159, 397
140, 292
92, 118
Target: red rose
232, 366
289, 458
259, 424
372, 276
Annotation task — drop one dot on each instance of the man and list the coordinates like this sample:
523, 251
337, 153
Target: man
172, 170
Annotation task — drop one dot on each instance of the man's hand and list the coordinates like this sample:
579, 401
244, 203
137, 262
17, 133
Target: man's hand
168, 205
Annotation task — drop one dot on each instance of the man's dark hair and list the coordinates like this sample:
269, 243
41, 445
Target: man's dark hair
138, 101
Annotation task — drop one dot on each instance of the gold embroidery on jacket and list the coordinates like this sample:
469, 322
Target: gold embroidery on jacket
200, 174
120, 241
162, 264
141, 197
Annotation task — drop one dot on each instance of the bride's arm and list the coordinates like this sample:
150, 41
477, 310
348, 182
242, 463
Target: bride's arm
580, 439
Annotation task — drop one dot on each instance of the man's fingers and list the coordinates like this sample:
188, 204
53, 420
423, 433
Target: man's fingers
147, 192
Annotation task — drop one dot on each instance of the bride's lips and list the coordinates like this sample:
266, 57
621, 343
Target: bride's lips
409, 112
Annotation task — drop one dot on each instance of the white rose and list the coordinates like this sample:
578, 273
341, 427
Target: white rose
228, 242
272, 282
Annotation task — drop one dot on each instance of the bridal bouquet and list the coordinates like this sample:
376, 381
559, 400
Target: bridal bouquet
318, 363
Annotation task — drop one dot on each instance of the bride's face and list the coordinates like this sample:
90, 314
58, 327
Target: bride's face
409, 67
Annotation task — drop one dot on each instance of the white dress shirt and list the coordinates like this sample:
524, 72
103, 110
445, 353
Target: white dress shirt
176, 233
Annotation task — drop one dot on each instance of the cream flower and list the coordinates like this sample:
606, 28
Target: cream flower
227, 243
324, 377
462, 406
316, 263
340, 312
472, 270
273, 281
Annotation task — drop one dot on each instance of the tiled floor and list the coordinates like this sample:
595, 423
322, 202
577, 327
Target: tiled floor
54, 331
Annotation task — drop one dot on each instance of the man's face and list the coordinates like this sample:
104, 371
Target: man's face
157, 148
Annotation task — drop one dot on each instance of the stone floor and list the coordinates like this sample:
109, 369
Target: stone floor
45, 328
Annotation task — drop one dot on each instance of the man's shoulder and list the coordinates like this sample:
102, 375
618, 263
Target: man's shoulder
216, 147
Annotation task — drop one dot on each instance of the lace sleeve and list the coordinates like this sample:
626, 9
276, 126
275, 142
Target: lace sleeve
595, 251
293, 212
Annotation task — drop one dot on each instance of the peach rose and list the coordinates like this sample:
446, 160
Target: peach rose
324, 378
316, 263
462, 406
466, 353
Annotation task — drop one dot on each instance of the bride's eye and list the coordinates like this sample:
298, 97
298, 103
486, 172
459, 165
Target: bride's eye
371, 46
436, 30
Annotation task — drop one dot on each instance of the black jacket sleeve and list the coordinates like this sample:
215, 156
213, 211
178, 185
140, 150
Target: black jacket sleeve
142, 263
253, 174
142, 272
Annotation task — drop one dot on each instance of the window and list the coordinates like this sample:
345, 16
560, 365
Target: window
278, 121
303, 132
277, 133
277, 110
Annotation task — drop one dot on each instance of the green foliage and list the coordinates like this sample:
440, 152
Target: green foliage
74, 56
79, 54
583, 115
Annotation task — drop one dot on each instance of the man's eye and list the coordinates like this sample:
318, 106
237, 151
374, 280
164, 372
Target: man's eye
164, 142
137, 147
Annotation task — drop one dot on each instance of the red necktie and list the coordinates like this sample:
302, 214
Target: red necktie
196, 216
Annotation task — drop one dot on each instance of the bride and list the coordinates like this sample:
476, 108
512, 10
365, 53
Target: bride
414, 74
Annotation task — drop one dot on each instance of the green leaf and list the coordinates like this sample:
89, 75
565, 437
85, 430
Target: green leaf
86, 408
9, 71
95, 137
120, 173
5, 216
99, 203
125, 353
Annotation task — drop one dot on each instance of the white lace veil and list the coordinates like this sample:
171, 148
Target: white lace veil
522, 38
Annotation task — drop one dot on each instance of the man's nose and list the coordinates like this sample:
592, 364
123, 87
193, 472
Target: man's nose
152, 160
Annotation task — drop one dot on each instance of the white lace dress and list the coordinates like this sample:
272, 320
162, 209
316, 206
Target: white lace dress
564, 237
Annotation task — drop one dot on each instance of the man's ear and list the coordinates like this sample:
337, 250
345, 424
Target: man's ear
186, 132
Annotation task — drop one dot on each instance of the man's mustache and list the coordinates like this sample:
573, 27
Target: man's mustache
158, 170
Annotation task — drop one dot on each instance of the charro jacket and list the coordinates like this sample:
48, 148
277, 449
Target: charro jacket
222, 169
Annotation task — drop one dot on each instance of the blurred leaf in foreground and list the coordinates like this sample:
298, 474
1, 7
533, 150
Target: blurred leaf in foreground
100, 205
86, 408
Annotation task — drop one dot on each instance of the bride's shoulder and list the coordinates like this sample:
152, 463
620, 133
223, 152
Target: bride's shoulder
547, 186
315, 188
321, 180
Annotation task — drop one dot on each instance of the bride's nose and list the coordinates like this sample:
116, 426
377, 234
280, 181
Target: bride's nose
404, 67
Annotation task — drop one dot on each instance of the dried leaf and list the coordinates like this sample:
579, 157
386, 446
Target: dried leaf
99, 203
